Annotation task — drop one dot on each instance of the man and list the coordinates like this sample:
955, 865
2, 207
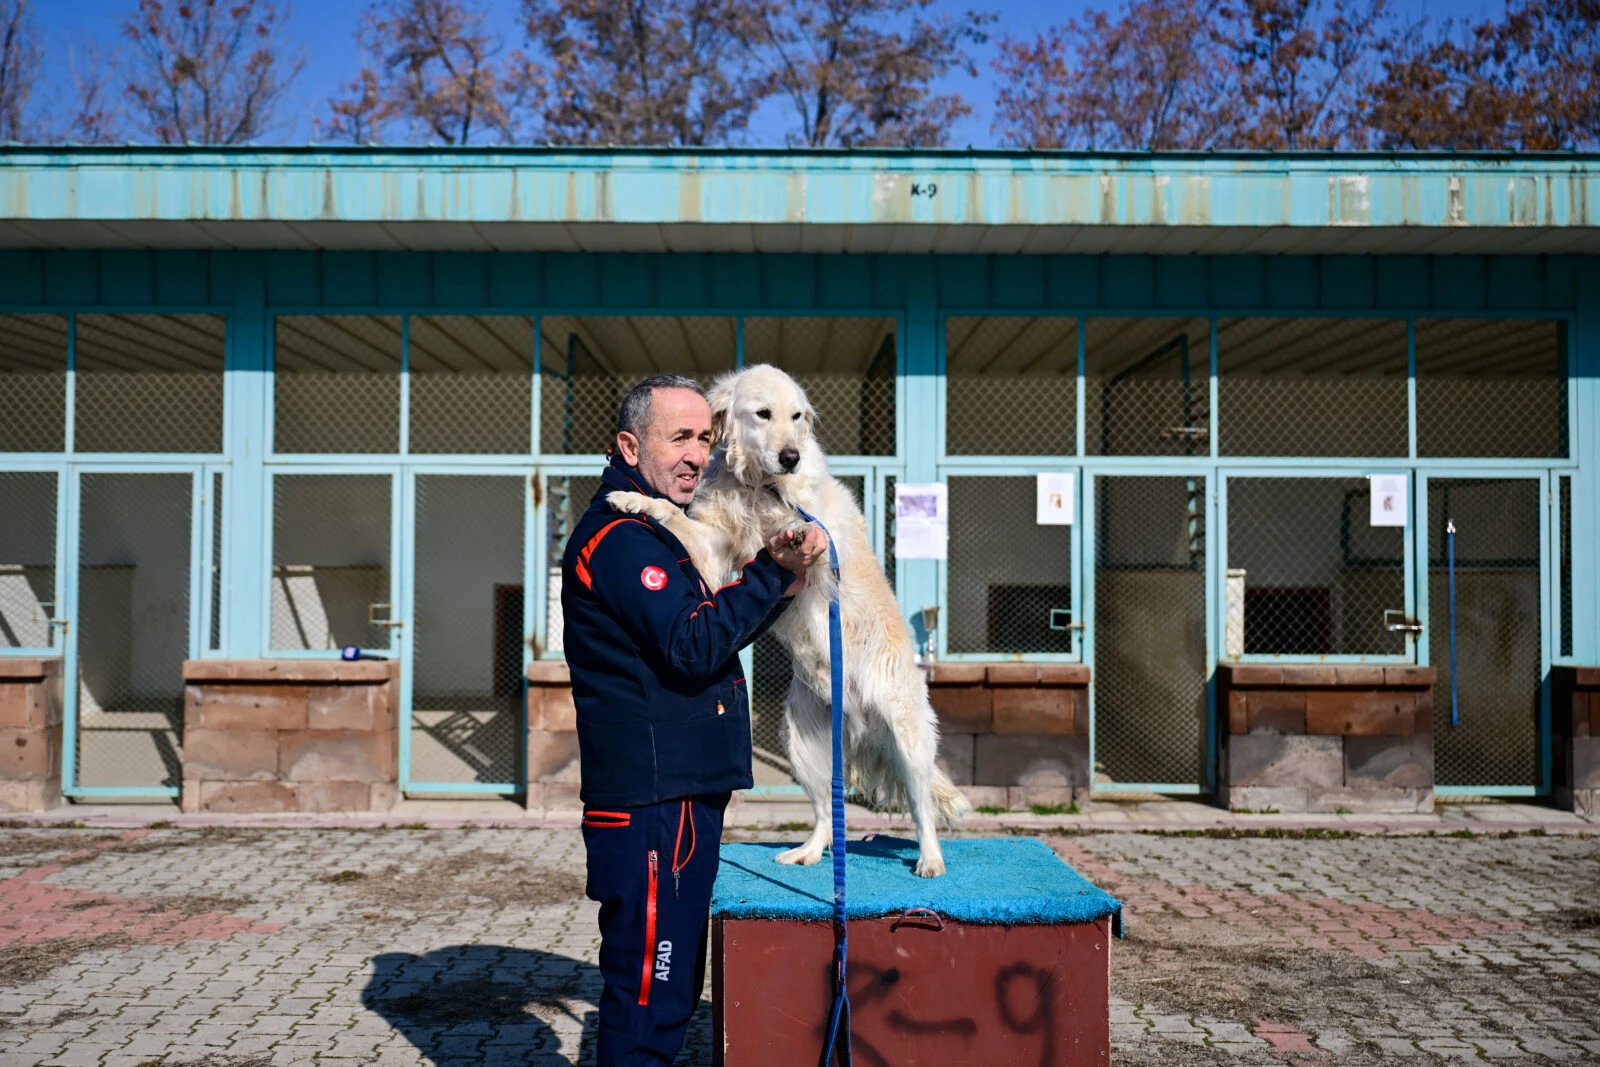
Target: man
663, 716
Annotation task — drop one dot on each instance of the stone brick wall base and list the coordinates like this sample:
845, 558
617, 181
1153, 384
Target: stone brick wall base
30, 734
1327, 739
290, 735
552, 737
1013, 735
1575, 722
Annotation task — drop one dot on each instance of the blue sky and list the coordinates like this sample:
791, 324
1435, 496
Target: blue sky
325, 30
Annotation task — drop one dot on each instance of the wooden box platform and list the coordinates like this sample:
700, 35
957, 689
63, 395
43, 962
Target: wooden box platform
1006, 959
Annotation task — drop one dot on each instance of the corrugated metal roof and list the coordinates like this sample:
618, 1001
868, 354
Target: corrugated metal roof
732, 200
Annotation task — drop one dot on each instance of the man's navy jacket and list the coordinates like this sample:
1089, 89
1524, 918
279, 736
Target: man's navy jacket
663, 706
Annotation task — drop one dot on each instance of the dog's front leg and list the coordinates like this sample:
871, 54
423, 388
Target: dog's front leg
704, 542
811, 759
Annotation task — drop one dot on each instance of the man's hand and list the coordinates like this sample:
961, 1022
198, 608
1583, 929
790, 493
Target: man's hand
797, 550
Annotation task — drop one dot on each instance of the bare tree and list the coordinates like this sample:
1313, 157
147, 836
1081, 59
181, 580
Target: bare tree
19, 69
1528, 81
208, 71
1145, 78
642, 71
860, 72
434, 68
358, 115
1303, 71
94, 117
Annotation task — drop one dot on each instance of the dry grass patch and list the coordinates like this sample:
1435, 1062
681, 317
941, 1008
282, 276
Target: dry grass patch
462, 880
48, 842
21, 964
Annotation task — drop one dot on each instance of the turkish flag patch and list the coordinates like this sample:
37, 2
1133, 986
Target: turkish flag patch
653, 579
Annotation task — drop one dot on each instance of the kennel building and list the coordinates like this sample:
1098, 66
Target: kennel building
260, 405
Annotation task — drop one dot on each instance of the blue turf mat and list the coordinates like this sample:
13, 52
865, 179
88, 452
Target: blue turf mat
1007, 881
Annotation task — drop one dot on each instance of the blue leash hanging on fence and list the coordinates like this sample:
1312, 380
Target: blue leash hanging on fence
839, 1014
1450, 560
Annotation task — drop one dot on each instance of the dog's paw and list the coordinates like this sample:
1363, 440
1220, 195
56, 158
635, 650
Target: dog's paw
630, 503
929, 866
802, 856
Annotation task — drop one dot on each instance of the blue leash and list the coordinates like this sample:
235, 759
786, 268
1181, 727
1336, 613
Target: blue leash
839, 1013
1450, 556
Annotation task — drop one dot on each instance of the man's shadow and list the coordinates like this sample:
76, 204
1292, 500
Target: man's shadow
478, 1004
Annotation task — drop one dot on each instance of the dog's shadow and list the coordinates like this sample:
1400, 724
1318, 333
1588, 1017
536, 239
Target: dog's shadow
476, 1004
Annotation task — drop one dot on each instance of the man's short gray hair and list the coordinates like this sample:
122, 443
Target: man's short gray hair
634, 417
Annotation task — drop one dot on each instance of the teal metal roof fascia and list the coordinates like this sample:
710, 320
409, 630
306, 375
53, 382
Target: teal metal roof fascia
750, 187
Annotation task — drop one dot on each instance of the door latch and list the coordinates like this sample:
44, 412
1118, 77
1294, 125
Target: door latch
1068, 625
1398, 622
388, 609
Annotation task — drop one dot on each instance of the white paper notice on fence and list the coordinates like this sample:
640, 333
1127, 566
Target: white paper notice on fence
1055, 500
922, 521
1388, 499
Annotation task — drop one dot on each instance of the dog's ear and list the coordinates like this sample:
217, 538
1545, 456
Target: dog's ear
808, 414
720, 397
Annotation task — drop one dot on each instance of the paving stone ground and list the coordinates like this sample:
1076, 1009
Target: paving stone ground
234, 946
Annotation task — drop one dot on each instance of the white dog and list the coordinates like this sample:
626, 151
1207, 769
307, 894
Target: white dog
766, 462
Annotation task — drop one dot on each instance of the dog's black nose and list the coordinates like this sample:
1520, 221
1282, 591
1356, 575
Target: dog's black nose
788, 457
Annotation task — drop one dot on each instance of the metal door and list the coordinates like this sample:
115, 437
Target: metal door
1491, 647
1313, 572
131, 620
30, 552
1148, 641
463, 654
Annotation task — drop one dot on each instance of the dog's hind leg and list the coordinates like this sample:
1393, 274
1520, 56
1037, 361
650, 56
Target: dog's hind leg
811, 758
913, 753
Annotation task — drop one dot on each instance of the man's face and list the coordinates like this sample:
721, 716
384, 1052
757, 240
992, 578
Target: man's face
671, 453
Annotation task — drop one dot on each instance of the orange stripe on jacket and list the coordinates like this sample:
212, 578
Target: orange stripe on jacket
581, 564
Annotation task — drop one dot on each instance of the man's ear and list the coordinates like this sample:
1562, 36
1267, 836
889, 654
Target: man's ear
720, 397
628, 445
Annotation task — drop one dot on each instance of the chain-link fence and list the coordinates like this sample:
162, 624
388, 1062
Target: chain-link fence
1308, 575
132, 627
1011, 386
1491, 387
1498, 627
148, 383
471, 384
27, 558
331, 558
888, 531
1150, 662
1147, 387
1564, 562
587, 364
467, 646
336, 383
769, 688
847, 366
33, 383
1312, 387
567, 497
1009, 579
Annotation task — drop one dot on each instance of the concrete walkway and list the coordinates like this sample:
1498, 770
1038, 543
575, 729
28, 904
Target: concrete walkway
136, 942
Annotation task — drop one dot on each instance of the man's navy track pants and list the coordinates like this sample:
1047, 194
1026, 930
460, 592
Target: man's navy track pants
651, 868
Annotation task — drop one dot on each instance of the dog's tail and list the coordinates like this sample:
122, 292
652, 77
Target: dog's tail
952, 804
